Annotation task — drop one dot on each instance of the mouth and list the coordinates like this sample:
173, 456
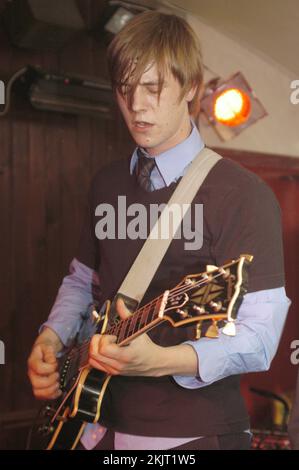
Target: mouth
142, 125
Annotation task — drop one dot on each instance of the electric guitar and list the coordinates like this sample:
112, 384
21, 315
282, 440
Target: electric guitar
207, 300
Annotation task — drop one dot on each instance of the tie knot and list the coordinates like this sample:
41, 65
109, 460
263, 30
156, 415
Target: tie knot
144, 168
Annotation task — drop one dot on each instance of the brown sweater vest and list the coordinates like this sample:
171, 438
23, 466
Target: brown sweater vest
159, 406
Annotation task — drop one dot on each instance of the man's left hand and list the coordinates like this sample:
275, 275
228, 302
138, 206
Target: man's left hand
141, 357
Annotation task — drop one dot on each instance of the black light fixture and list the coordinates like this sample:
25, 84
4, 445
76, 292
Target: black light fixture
116, 14
42, 24
71, 94
118, 20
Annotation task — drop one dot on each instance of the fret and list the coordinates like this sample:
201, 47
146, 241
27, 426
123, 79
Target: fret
114, 329
157, 308
127, 325
143, 321
121, 335
134, 324
148, 314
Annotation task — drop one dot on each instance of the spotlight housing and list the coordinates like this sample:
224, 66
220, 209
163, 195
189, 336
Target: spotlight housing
231, 106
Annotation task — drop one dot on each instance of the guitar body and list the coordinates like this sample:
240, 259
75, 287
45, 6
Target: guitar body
90, 396
61, 423
86, 406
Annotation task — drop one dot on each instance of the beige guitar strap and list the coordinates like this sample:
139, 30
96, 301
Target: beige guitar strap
150, 256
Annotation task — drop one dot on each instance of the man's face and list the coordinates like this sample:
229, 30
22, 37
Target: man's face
157, 125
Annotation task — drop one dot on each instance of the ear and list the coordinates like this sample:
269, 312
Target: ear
191, 93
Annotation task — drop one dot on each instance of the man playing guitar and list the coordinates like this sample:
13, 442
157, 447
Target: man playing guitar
167, 391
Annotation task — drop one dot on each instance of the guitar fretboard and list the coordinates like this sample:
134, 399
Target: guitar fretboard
141, 320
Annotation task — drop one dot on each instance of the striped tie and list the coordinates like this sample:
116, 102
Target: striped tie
144, 167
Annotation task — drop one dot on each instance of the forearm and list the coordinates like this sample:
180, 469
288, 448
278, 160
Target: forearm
71, 304
49, 337
177, 360
259, 327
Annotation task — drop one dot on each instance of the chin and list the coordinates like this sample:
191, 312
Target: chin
143, 141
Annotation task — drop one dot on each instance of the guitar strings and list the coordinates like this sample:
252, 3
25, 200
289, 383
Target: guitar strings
173, 292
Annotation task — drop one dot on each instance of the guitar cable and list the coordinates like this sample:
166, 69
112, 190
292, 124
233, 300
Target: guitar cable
10, 83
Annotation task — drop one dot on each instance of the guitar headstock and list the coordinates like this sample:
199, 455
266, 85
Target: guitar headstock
212, 296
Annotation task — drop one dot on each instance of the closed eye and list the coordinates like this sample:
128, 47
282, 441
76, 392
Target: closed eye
153, 89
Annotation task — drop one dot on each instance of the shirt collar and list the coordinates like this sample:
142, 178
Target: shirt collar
171, 164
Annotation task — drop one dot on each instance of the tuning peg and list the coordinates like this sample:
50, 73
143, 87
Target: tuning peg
212, 331
216, 306
206, 277
189, 282
199, 309
183, 313
248, 258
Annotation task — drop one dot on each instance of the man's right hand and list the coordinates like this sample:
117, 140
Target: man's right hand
42, 367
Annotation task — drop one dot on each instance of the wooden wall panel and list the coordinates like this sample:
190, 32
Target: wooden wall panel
46, 163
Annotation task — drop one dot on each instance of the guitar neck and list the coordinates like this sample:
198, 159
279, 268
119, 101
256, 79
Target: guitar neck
141, 321
213, 295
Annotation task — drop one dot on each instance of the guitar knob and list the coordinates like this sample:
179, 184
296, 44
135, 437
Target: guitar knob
48, 411
183, 313
199, 309
216, 306
46, 429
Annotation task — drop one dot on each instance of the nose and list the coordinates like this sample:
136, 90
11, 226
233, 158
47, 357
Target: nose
139, 100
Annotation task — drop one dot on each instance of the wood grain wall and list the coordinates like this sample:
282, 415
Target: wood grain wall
46, 163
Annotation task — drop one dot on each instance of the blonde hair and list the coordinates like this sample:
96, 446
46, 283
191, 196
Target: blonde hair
163, 39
